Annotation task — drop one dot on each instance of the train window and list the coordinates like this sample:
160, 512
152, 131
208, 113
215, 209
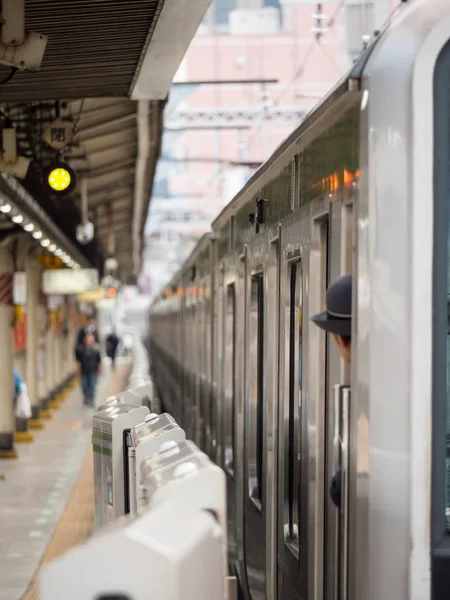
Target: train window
229, 378
256, 373
293, 378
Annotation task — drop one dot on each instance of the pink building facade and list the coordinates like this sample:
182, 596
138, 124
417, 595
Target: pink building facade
265, 64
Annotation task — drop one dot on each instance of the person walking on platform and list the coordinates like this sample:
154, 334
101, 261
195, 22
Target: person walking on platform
337, 320
90, 366
112, 343
91, 327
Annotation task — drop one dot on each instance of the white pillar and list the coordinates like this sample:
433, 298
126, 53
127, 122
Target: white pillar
32, 336
49, 357
42, 366
7, 417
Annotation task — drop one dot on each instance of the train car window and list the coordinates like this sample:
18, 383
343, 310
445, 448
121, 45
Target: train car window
294, 394
229, 378
256, 373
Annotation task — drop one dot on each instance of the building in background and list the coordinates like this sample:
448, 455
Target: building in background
252, 73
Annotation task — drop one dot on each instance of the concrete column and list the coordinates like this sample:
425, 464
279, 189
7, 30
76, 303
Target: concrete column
31, 378
7, 417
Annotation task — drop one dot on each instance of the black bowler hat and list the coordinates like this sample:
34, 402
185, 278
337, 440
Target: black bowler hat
337, 317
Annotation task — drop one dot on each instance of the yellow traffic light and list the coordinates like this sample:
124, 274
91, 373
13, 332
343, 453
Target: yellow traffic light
61, 178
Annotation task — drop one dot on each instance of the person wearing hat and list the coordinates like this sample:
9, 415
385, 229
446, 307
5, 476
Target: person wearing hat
337, 320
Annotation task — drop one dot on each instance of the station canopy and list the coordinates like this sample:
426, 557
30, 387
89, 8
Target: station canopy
104, 77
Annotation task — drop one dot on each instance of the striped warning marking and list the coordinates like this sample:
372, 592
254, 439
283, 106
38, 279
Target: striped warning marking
6, 287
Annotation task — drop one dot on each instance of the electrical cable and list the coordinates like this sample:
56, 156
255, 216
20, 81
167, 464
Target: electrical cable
10, 75
299, 72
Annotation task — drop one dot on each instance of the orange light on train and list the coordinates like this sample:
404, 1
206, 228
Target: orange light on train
111, 292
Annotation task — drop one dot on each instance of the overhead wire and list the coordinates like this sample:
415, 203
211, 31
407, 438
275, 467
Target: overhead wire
301, 69
10, 75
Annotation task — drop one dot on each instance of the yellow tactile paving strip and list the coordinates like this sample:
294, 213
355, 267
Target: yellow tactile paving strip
78, 517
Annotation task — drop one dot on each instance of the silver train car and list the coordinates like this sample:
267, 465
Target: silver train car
362, 186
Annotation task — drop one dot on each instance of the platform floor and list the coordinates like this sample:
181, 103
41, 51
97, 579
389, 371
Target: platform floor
38, 490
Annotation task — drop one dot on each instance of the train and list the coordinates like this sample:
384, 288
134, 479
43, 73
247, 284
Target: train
362, 186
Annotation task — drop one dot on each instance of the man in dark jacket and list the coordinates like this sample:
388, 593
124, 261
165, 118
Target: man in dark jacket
337, 320
91, 327
90, 362
112, 343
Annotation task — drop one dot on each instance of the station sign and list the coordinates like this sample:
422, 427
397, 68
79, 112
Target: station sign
106, 304
48, 261
92, 296
66, 281
58, 134
54, 302
20, 288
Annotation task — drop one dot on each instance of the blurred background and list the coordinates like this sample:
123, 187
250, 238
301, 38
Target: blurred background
253, 71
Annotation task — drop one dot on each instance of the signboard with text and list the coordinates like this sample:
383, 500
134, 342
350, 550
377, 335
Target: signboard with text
20, 329
66, 281
19, 288
48, 261
58, 134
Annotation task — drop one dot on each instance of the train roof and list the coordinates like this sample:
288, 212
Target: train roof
345, 91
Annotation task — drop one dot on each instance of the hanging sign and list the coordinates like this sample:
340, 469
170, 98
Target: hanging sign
93, 296
66, 281
54, 302
50, 262
20, 288
20, 330
58, 134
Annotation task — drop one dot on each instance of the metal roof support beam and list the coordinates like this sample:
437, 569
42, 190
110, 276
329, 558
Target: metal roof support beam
102, 108
204, 117
116, 213
107, 123
107, 148
123, 199
143, 131
109, 168
126, 181
99, 136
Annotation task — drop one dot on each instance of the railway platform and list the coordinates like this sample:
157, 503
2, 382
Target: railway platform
46, 497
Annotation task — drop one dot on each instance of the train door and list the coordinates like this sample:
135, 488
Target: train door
238, 481
261, 361
229, 388
200, 341
292, 498
217, 401
337, 416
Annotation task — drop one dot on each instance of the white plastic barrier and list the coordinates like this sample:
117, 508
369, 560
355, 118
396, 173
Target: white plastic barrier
110, 401
109, 428
186, 475
171, 553
147, 439
139, 395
